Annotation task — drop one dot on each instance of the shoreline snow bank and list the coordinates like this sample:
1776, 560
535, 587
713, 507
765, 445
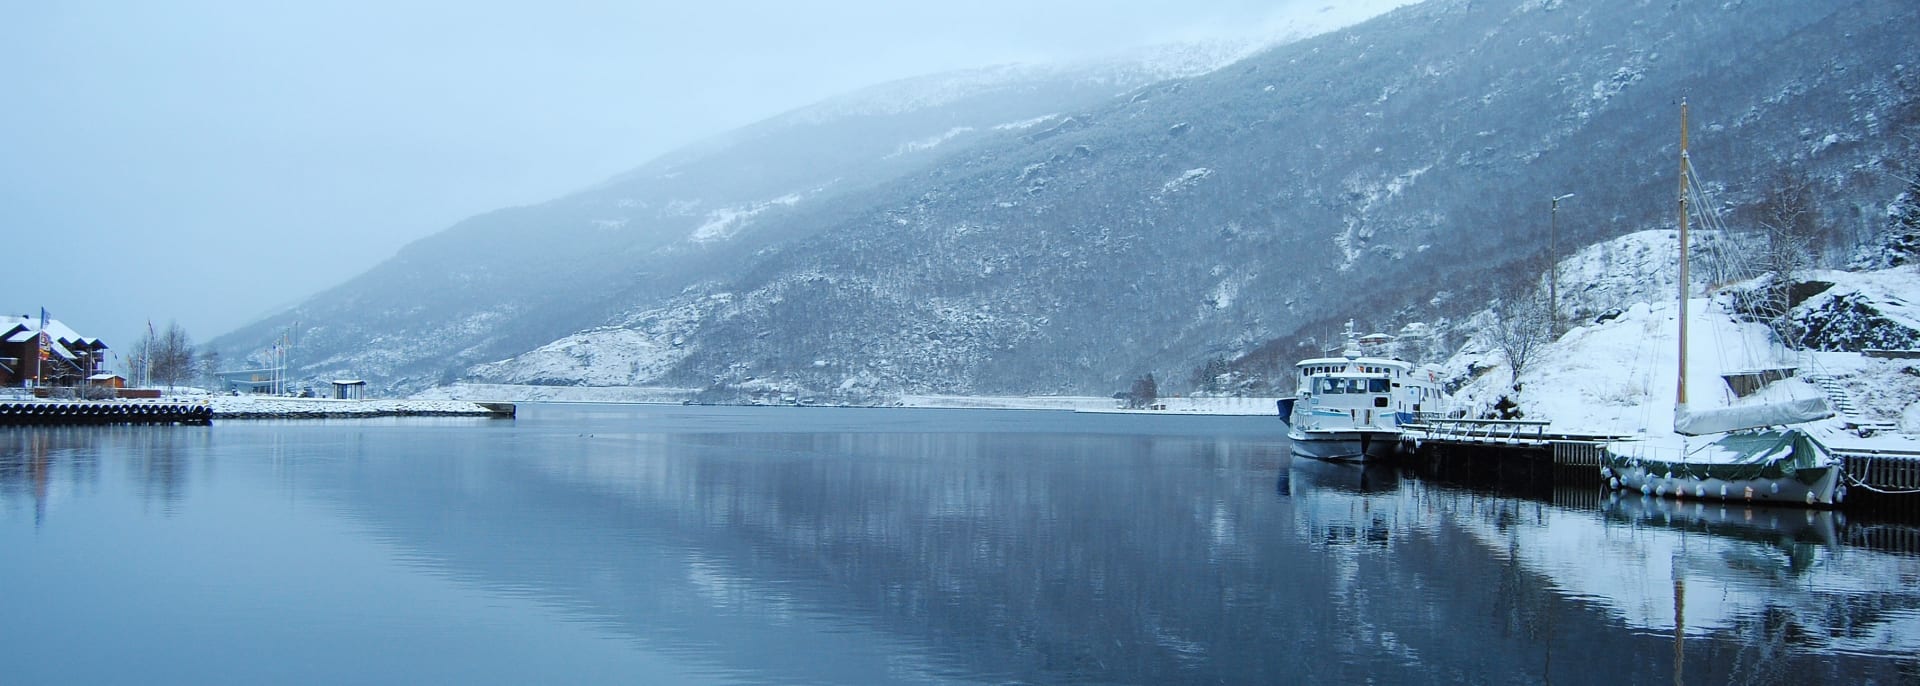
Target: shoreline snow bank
1206, 406
525, 393
275, 407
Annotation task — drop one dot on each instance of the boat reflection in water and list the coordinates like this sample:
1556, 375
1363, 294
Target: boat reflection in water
1779, 585
1308, 475
1775, 581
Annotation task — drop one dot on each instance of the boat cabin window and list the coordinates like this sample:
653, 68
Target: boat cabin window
1325, 385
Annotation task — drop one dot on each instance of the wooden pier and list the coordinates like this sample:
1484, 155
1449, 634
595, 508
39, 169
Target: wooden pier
1883, 471
36, 412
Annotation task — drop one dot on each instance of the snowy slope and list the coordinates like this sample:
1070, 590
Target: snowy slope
1619, 375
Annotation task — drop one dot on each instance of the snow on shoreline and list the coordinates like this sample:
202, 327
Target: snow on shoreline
1182, 406
277, 407
669, 395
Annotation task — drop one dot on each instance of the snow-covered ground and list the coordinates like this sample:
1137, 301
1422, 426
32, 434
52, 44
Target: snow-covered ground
1619, 376
665, 395
1208, 406
276, 407
484, 392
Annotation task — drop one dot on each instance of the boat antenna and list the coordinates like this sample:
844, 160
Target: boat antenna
1680, 390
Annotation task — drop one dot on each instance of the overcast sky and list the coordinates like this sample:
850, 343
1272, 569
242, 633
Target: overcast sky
211, 161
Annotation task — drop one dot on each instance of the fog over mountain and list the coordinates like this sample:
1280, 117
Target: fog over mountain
1064, 229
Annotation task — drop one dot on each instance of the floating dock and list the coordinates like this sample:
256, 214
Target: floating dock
45, 413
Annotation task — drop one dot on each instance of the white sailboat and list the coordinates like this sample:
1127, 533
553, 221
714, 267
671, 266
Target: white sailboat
1351, 407
1745, 452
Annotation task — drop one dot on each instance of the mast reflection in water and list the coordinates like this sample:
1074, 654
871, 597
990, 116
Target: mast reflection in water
620, 544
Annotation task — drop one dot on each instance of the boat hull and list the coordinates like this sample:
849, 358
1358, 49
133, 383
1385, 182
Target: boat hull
1825, 491
1799, 474
1345, 446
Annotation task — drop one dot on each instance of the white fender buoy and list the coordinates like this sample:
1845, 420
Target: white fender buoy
1776, 488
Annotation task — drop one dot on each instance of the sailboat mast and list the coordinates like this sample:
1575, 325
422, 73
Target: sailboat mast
1680, 391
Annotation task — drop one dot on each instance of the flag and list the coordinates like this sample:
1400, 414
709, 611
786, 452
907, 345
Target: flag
46, 341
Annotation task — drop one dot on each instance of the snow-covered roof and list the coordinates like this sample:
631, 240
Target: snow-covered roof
59, 331
1371, 361
349, 382
103, 376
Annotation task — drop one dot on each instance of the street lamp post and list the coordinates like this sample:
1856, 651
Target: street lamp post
1553, 253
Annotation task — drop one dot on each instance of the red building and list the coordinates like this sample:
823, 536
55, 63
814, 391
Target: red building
68, 359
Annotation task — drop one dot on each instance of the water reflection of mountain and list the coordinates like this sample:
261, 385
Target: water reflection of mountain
1021, 557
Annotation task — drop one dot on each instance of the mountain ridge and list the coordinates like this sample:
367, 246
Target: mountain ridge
1234, 213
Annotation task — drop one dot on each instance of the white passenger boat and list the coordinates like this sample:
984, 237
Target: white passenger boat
1351, 407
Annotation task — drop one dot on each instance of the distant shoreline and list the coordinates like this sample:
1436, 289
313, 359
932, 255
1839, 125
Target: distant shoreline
658, 395
277, 407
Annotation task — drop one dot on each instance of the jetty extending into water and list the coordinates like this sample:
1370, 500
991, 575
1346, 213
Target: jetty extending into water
203, 410
97, 412
277, 407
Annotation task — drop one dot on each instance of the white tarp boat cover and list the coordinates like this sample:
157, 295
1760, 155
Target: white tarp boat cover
1703, 421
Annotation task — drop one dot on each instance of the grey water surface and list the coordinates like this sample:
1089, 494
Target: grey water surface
653, 544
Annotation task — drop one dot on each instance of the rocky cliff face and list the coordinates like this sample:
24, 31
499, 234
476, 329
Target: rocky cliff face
1069, 231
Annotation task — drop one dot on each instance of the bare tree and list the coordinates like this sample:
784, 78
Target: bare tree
1789, 227
1522, 326
173, 356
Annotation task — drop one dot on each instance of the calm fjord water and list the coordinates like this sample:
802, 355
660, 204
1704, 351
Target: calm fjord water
623, 544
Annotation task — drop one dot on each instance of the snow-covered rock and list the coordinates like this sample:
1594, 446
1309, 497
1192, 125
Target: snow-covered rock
1859, 311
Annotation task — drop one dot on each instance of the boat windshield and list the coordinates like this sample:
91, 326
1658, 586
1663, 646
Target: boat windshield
1334, 384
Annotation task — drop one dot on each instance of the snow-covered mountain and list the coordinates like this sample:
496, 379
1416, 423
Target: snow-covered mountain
1066, 230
